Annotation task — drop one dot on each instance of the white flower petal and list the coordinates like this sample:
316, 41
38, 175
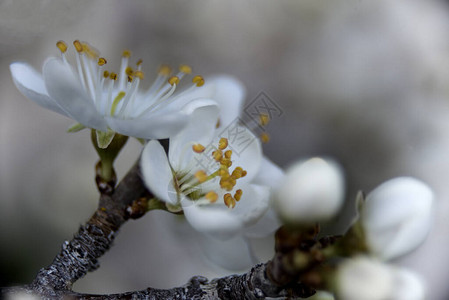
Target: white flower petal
31, 84
203, 115
253, 203
63, 86
265, 226
229, 93
397, 216
212, 219
408, 286
157, 126
246, 150
157, 174
269, 174
232, 254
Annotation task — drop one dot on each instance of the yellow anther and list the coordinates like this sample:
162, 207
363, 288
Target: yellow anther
90, 51
78, 46
238, 195
198, 148
201, 176
126, 53
264, 119
185, 69
226, 162
105, 74
217, 155
139, 74
218, 123
228, 154
116, 101
264, 137
62, 46
223, 172
164, 70
130, 79
229, 200
102, 61
244, 173
211, 196
129, 71
237, 173
173, 80
139, 62
113, 76
198, 80
223, 143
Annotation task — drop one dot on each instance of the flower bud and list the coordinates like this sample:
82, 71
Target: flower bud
311, 191
396, 216
369, 279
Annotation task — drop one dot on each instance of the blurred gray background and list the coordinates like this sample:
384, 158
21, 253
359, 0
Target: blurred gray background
365, 82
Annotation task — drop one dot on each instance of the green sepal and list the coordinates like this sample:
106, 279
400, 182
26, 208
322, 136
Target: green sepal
76, 127
104, 138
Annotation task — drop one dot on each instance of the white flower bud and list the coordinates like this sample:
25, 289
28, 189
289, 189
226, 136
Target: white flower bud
311, 191
369, 279
397, 216
364, 278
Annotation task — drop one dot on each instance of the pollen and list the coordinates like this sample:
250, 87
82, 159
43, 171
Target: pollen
228, 154
126, 53
113, 76
238, 173
217, 155
102, 61
129, 71
238, 195
78, 46
201, 175
223, 143
264, 119
211, 196
226, 162
173, 80
185, 69
229, 200
198, 148
62, 46
139, 62
105, 74
198, 80
139, 74
164, 70
264, 137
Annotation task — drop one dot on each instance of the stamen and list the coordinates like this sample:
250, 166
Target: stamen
126, 53
218, 123
139, 62
229, 200
165, 70
129, 71
228, 154
198, 148
226, 162
264, 137
185, 69
217, 155
238, 195
113, 76
211, 196
198, 80
102, 61
264, 119
201, 175
62, 46
78, 46
105, 74
223, 143
116, 102
237, 173
173, 80
139, 74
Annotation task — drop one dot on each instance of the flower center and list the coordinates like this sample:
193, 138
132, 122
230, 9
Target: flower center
199, 184
118, 94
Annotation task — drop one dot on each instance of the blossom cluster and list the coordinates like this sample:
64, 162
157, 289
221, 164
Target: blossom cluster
229, 196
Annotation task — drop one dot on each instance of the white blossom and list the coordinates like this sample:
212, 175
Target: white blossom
98, 98
396, 216
312, 191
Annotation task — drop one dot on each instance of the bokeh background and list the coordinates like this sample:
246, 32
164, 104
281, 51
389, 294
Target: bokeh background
365, 82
